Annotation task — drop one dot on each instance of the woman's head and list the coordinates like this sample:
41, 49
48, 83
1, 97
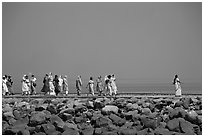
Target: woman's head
91, 78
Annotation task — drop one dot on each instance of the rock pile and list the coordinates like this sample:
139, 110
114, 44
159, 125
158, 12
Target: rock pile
102, 116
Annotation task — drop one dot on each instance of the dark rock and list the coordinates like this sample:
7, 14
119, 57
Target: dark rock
57, 121
48, 128
187, 102
65, 116
98, 104
173, 125
143, 132
191, 116
148, 122
97, 131
186, 127
128, 131
41, 107
130, 114
11, 121
70, 125
131, 106
31, 130
23, 132
37, 118
102, 121
16, 114
70, 131
88, 131
80, 119
133, 100
163, 131
117, 120
40, 133
52, 109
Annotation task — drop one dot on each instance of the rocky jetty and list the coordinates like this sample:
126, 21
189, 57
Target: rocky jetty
102, 116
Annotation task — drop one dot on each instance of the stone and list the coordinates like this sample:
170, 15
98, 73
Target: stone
146, 111
98, 104
70, 125
70, 131
148, 122
128, 115
57, 121
117, 120
47, 113
65, 116
16, 114
40, 133
7, 108
143, 132
109, 108
37, 118
41, 107
186, 127
89, 104
173, 125
11, 121
9, 114
48, 128
97, 131
134, 99
102, 121
68, 111
162, 131
187, 102
88, 131
52, 109
191, 116
178, 104
128, 131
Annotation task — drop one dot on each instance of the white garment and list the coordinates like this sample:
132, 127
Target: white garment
25, 85
60, 81
4, 86
113, 85
177, 87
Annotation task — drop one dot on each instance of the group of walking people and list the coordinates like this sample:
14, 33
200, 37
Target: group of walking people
56, 85
29, 85
59, 84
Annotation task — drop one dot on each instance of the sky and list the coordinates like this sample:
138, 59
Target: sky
138, 42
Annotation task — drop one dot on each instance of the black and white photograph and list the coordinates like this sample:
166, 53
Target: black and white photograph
101, 68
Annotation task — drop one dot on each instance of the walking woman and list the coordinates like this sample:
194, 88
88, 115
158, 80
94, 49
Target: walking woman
177, 84
90, 85
99, 85
79, 85
45, 88
51, 85
113, 84
33, 85
9, 84
4, 86
25, 85
65, 85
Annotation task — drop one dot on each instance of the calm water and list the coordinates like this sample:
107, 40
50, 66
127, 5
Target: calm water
130, 87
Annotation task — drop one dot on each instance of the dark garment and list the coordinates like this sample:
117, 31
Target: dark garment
56, 85
9, 84
45, 88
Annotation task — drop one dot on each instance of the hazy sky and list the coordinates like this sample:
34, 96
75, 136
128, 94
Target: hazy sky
147, 42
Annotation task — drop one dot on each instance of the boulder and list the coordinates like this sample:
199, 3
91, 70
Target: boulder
88, 131
37, 118
65, 116
52, 109
146, 111
48, 128
109, 108
191, 116
11, 121
187, 102
186, 127
117, 120
98, 104
173, 125
7, 108
8, 114
70, 125
89, 104
70, 131
128, 115
128, 131
16, 114
97, 131
178, 104
143, 132
102, 121
57, 121
41, 107
163, 131
133, 99
148, 122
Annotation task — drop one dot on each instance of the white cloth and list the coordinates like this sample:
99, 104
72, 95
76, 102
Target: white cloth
91, 87
177, 87
25, 85
113, 85
4, 86
60, 81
